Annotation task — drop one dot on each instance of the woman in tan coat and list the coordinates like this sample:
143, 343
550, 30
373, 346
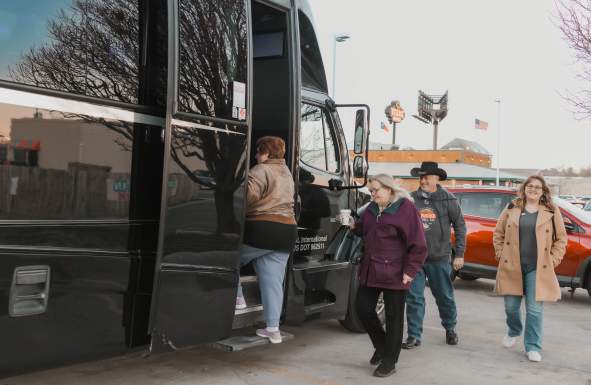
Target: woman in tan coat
530, 241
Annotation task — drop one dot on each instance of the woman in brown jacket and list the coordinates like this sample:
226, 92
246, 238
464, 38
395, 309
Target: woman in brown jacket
530, 241
270, 231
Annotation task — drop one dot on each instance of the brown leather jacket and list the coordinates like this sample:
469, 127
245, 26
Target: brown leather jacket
270, 193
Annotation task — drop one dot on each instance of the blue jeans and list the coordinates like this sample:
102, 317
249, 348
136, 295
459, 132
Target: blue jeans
442, 289
270, 268
534, 312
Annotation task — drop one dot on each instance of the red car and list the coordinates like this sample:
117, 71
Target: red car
482, 207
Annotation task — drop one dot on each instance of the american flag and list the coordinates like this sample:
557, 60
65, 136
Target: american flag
385, 127
480, 124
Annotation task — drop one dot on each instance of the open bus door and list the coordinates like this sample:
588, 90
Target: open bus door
206, 137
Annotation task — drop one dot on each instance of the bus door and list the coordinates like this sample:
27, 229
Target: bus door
320, 277
206, 160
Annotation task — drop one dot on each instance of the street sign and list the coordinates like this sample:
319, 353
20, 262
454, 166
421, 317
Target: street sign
398, 114
394, 112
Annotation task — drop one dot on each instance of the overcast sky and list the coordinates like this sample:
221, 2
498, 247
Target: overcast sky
478, 50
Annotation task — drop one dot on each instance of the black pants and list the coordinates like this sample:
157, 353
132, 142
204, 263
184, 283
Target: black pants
387, 343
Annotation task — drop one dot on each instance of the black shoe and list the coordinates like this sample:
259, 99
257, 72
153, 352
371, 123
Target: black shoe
411, 343
385, 370
376, 358
451, 338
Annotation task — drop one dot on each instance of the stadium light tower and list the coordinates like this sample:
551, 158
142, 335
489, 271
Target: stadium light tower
432, 109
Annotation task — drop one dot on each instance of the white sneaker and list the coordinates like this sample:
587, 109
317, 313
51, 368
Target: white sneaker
508, 342
534, 356
274, 337
240, 303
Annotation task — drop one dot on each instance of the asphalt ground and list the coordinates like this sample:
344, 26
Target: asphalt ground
323, 353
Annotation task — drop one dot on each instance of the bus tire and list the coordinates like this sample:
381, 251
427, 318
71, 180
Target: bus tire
352, 322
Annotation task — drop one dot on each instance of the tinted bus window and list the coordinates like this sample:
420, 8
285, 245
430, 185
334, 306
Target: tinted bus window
313, 75
213, 57
317, 143
63, 166
85, 47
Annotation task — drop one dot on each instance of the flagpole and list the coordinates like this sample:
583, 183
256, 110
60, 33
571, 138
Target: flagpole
498, 101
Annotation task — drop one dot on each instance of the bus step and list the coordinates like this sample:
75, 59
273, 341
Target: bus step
238, 343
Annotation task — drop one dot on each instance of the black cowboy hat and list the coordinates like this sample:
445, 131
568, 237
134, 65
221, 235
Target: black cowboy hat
429, 168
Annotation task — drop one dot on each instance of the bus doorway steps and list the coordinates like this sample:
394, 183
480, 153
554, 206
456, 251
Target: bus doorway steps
238, 343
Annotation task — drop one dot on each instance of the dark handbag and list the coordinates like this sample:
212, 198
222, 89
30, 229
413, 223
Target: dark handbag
351, 248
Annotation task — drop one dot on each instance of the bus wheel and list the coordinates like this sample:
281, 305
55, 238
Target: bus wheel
352, 321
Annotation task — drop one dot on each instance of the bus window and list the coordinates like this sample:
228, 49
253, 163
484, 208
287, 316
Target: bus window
213, 57
313, 75
317, 143
84, 47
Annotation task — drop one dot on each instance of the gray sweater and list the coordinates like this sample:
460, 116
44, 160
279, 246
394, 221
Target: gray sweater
439, 212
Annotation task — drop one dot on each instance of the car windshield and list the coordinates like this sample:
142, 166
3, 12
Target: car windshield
576, 211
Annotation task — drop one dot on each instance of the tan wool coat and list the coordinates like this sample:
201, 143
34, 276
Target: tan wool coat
550, 253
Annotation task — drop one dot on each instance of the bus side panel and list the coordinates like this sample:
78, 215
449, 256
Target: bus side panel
188, 296
84, 314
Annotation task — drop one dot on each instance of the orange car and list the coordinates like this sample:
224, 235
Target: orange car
482, 207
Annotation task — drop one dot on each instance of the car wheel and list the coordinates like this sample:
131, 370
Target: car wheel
352, 321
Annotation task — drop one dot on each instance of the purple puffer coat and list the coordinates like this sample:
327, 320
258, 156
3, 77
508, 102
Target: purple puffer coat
394, 244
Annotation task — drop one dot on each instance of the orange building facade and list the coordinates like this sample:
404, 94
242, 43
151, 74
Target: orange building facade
440, 156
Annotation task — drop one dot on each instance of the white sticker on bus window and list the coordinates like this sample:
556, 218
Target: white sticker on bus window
239, 97
13, 185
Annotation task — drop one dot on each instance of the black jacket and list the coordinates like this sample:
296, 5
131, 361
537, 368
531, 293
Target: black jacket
439, 211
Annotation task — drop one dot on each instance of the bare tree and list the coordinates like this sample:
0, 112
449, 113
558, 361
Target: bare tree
574, 20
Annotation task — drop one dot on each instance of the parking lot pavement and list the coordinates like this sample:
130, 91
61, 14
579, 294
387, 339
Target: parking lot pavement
323, 353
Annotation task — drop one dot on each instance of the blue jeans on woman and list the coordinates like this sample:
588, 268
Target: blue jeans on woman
270, 268
534, 312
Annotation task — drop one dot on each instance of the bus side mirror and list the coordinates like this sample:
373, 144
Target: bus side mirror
359, 167
359, 142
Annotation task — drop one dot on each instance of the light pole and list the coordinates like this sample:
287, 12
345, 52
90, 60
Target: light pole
338, 38
498, 101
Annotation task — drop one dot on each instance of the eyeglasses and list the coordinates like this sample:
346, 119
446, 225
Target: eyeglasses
374, 190
533, 187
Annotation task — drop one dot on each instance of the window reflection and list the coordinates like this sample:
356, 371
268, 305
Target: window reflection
59, 167
213, 58
483, 204
317, 145
86, 47
206, 179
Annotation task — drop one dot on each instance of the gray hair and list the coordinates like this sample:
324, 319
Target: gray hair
388, 182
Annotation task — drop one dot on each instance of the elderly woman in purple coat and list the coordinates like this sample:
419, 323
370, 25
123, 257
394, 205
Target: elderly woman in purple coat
394, 251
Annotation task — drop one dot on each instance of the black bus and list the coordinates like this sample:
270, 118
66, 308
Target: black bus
125, 138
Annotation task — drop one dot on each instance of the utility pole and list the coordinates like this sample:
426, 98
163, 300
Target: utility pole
336, 39
498, 101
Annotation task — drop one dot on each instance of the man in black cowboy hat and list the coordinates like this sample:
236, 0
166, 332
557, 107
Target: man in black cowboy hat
439, 211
